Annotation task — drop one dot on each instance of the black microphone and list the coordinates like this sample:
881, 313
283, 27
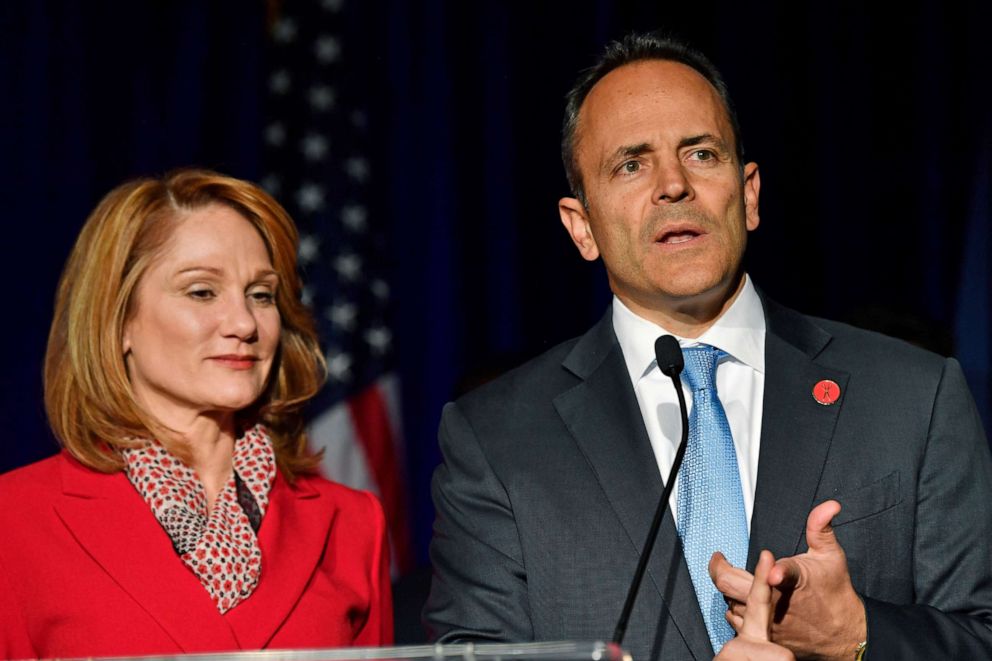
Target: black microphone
670, 362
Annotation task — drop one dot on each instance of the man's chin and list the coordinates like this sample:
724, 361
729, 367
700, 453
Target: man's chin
701, 287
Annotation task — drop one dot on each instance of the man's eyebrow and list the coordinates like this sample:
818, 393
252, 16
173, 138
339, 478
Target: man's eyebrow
625, 151
703, 138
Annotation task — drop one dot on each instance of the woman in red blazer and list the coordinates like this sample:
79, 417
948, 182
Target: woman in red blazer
183, 514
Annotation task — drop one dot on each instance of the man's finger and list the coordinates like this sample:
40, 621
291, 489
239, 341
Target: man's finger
734, 583
785, 575
758, 617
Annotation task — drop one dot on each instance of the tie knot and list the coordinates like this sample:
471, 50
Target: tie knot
700, 366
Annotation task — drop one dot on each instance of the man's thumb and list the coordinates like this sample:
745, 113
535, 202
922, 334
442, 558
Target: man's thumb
819, 532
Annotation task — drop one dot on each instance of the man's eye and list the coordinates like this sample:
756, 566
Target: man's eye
630, 167
703, 155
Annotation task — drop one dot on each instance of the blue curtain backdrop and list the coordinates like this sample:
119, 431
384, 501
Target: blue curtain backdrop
871, 126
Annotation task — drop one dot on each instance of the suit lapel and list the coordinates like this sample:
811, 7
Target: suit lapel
292, 537
108, 518
796, 432
602, 415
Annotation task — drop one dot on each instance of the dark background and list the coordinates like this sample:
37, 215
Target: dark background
872, 128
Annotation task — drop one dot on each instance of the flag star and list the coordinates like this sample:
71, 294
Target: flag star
348, 266
332, 5
280, 82
271, 184
354, 217
314, 147
343, 315
309, 248
339, 366
327, 49
310, 197
379, 289
275, 134
284, 31
359, 119
379, 339
306, 296
357, 168
322, 97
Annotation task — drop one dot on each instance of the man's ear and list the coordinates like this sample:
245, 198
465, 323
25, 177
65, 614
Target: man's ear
575, 218
752, 186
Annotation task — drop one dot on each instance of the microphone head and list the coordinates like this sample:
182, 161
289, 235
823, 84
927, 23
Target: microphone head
669, 355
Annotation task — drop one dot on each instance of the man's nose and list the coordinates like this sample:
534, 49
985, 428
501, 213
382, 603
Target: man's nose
672, 184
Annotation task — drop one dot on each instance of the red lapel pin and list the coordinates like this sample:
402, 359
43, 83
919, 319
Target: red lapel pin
826, 392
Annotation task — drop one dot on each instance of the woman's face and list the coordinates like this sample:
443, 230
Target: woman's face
204, 327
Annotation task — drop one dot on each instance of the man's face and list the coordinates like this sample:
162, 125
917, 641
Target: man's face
668, 207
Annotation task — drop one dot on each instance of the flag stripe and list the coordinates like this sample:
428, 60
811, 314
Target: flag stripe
371, 418
344, 457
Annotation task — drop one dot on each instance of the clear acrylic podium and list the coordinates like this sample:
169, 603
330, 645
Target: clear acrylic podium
549, 651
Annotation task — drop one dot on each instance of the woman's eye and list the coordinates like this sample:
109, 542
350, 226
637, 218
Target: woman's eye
264, 297
201, 294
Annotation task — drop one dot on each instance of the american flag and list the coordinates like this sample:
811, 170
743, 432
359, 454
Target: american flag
317, 146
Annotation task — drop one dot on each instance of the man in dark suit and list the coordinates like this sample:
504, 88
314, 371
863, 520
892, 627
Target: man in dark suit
858, 460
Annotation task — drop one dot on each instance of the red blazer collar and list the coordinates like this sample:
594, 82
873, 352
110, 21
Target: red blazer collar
108, 517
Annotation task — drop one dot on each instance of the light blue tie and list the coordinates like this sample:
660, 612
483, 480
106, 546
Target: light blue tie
710, 503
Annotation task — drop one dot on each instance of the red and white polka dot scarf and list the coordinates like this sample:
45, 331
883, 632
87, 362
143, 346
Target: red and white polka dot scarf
222, 548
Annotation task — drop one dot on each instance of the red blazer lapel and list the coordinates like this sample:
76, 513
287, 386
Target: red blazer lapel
293, 537
110, 520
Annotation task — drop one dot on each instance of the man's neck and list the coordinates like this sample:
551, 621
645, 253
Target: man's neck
686, 317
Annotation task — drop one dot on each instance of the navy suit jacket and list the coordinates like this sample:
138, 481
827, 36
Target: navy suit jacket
549, 484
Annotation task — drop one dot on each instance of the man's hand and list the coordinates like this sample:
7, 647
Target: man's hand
751, 643
817, 613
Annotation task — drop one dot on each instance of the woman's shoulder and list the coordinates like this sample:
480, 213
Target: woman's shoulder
32, 481
345, 497
353, 513
29, 497
36, 487
353, 507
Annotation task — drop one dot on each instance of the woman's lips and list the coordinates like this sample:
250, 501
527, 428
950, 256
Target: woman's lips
236, 362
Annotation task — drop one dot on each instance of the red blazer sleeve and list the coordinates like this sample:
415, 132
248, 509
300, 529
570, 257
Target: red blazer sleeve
378, 629
14, 641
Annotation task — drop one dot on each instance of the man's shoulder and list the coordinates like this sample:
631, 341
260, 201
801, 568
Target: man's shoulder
849, 347
539, 379
885, 373
867, 349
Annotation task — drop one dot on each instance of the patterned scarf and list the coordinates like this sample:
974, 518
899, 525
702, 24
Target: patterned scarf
220, 548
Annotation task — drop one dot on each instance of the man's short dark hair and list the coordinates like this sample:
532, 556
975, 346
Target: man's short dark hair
634, 48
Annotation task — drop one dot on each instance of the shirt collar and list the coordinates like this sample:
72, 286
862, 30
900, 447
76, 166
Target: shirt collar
740, 331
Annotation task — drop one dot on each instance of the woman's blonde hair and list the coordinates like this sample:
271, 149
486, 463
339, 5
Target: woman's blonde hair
88, 397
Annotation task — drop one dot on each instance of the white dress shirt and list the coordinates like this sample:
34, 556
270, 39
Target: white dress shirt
740, 383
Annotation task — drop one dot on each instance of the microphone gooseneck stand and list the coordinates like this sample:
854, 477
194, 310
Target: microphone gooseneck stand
670, 362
